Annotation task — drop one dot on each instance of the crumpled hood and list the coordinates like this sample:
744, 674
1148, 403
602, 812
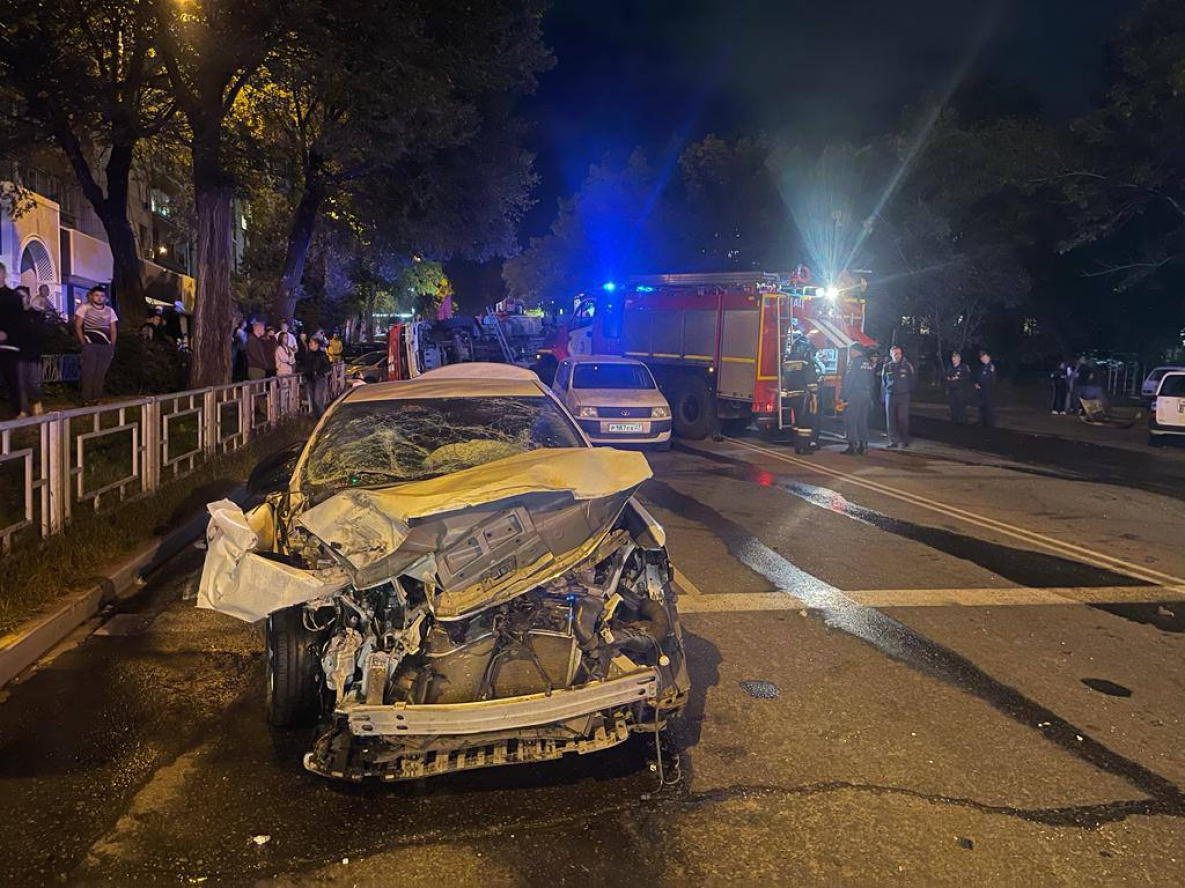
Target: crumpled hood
477, 537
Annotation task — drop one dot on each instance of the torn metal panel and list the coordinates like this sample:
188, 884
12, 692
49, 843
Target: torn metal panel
241, 582
500, 526
364, 521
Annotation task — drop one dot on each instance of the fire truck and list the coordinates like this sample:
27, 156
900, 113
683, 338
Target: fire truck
730, 349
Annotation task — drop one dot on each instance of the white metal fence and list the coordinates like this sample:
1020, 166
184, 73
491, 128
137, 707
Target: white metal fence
55, 466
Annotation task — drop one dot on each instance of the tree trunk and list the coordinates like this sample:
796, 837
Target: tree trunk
112, 209
126, 278
213, 314
300, 236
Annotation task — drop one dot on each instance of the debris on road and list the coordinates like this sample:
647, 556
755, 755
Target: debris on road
762, 690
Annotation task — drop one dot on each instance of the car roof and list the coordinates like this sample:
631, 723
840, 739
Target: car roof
601, 359
476, 380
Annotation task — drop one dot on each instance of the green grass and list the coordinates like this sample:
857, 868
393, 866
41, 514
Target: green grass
37, 575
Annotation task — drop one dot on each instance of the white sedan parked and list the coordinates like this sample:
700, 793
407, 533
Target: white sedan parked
615, 400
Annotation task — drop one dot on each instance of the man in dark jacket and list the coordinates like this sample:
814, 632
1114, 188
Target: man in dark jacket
314, 366
986, 385
858, 383
958, 387
256, 353
897, 382
39, 322
12, 316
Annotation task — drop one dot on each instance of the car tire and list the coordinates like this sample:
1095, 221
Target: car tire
293, 669
694, 409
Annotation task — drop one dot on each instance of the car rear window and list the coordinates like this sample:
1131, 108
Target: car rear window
1173, 386
612, 376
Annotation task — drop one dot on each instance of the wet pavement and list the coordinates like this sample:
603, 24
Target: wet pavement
925, 668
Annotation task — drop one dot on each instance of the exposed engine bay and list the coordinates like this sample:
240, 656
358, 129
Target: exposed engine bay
514, 629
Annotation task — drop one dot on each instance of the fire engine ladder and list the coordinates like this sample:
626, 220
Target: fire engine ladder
785, 326
500, 335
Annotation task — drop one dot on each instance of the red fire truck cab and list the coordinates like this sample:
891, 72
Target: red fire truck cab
719, 344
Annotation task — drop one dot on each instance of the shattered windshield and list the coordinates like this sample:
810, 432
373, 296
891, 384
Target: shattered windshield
390, 442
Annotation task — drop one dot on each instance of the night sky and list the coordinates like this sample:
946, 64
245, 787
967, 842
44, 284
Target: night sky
646, 72
661, 73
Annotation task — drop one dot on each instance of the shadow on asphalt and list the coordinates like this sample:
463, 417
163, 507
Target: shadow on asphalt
1093, 462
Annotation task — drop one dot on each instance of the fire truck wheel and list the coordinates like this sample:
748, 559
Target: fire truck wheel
694, 407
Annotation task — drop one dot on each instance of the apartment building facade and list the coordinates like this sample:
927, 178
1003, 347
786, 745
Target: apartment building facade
55, 238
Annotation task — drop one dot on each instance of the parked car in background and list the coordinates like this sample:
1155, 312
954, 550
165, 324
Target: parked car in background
369, 367
1166, 419
615, 400
1152, 382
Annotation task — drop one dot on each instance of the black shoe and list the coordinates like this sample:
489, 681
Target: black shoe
851, 451
894, 446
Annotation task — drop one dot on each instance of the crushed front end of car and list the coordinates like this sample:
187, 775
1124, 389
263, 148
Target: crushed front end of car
510, 613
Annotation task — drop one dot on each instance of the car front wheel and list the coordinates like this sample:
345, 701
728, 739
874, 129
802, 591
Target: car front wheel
293, 669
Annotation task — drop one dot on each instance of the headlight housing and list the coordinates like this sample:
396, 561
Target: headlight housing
660, 413
588, 412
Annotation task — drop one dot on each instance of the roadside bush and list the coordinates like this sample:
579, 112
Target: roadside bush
146, 367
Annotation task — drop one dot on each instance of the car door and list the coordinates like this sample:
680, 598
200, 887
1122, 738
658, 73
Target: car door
1170, 401
563, 382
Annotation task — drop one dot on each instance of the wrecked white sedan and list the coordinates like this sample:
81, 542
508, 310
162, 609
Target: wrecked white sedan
453, 579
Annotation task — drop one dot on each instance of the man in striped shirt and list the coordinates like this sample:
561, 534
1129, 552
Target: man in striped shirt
95, 325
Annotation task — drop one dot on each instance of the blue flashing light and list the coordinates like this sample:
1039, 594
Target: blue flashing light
609, 286
642, 288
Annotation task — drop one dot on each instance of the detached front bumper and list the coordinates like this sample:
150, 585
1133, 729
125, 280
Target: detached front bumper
507, 714
410, 741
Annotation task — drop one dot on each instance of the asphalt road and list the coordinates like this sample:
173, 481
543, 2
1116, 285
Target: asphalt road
979, 679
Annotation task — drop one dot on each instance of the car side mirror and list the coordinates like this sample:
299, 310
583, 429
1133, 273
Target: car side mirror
273, 471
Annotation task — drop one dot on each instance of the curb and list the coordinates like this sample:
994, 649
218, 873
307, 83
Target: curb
30, 642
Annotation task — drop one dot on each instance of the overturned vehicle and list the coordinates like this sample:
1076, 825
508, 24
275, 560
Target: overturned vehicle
452, 578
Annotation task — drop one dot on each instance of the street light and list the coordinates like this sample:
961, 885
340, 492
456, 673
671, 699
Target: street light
831, 293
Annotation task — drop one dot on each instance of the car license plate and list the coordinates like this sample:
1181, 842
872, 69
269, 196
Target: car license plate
624, 427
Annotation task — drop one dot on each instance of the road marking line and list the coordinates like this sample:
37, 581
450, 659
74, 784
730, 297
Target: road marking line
1088, 556
683, 582
1016, 596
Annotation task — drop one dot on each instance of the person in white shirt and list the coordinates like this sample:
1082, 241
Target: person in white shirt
95, 325
285, 355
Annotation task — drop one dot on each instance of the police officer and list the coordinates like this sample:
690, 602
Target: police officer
986, 384
897, 384
858, 383
958, 387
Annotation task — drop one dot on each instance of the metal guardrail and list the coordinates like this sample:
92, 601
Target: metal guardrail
94, 458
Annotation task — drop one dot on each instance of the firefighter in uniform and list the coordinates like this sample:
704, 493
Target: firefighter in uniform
958, 387
800, 377
858, 383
